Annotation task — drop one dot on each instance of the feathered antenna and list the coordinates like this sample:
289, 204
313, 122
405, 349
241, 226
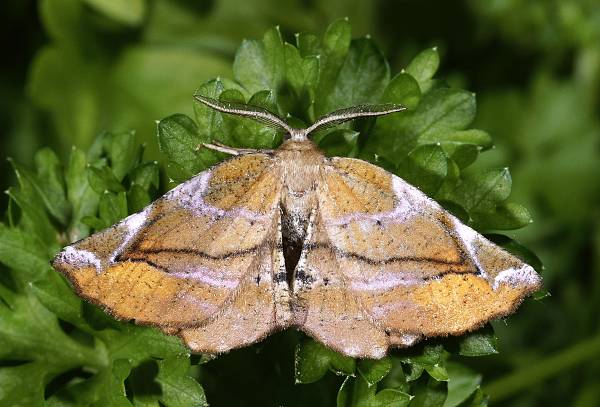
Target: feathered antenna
343, 115
270, 119
242, 109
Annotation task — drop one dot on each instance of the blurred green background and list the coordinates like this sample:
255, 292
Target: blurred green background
74, 68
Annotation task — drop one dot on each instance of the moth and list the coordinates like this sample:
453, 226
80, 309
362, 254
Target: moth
338, 248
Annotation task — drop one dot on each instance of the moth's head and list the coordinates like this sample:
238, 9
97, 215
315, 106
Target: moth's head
296, 134
272, 120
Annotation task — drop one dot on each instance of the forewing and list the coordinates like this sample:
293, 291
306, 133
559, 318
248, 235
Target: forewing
202, 255
412, 268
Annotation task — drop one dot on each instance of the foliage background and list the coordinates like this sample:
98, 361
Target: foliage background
73, 69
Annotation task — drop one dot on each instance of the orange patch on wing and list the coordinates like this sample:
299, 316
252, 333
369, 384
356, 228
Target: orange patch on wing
453, 305
357, 189
368, 173
243, 182
136, 290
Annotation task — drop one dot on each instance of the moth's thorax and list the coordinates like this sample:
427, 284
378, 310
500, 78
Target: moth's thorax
301, 163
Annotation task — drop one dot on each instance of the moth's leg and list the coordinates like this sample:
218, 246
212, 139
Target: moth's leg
215, 145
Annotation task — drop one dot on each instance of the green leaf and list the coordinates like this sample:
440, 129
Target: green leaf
424, 66
129, 12
181, 143
308, 44
102, 389
124, 153
264, 99
437, 372
472, 136
33, 214
41, 339
362, 78
482, 192
261, 65
462, 383
62, 19
462, 146
51, 184
391, 137
429, 393
232, 95
479, 343
336, 41
313, 360
432, 359
373, 371
137, 198
507, 215
462, 154
146, 176
137, 344
396, 377
105, 388
33, 217
102, 179
356, 392
403, 89
425, 167
57, 296
210, 123
442, 110
23, 385
178, 389
23, 252
81, 196
453, 178
339, 143
302, 75
208, 120
112, 207
94, 222
478, 399
335, 47
130, 351
239, 131
310, 69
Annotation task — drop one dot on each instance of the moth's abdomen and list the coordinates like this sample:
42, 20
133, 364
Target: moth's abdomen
295, 214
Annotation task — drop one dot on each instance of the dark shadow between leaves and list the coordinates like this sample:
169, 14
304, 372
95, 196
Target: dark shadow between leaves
8, 281
264, 375
141, 383
62, 380
13, 362
76, 334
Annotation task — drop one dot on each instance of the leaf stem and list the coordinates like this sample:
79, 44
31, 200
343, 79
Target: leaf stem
537, 372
